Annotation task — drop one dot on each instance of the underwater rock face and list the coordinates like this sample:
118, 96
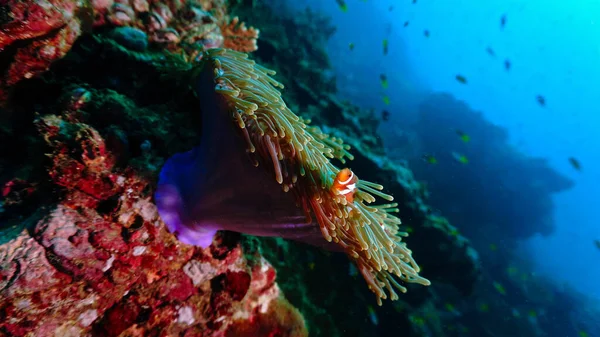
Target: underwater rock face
499, 189
100, 262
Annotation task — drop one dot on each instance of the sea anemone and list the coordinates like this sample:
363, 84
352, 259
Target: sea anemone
283, 184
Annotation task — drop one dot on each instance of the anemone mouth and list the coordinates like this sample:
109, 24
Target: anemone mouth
297, 157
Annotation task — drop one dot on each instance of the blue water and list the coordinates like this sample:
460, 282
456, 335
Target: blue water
554, 50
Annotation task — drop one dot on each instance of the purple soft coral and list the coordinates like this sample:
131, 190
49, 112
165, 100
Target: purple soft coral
215, 186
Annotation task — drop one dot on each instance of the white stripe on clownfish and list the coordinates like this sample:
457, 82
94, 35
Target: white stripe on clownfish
347, 180
349, 189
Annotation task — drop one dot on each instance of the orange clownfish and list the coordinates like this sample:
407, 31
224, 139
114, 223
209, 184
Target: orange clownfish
345, 184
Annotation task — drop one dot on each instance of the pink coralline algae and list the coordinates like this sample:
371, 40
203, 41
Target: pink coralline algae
101, 263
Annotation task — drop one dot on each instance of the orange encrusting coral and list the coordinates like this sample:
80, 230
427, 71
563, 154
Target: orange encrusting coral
238, 37
299, 157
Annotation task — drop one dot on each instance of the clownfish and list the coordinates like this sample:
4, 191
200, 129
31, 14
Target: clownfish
345, 184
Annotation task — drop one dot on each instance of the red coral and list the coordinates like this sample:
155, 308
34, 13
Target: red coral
46, 31
16, 190
101, 260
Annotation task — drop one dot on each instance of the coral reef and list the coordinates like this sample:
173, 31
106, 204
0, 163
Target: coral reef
73, 277
34, 34
182, 27
84, 251
80, 150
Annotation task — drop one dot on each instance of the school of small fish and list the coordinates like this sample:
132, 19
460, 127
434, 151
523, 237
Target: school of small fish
460, 78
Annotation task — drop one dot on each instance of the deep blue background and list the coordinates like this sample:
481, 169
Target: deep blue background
554, 50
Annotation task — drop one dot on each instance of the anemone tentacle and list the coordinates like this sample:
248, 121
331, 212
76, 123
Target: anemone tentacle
298, 156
